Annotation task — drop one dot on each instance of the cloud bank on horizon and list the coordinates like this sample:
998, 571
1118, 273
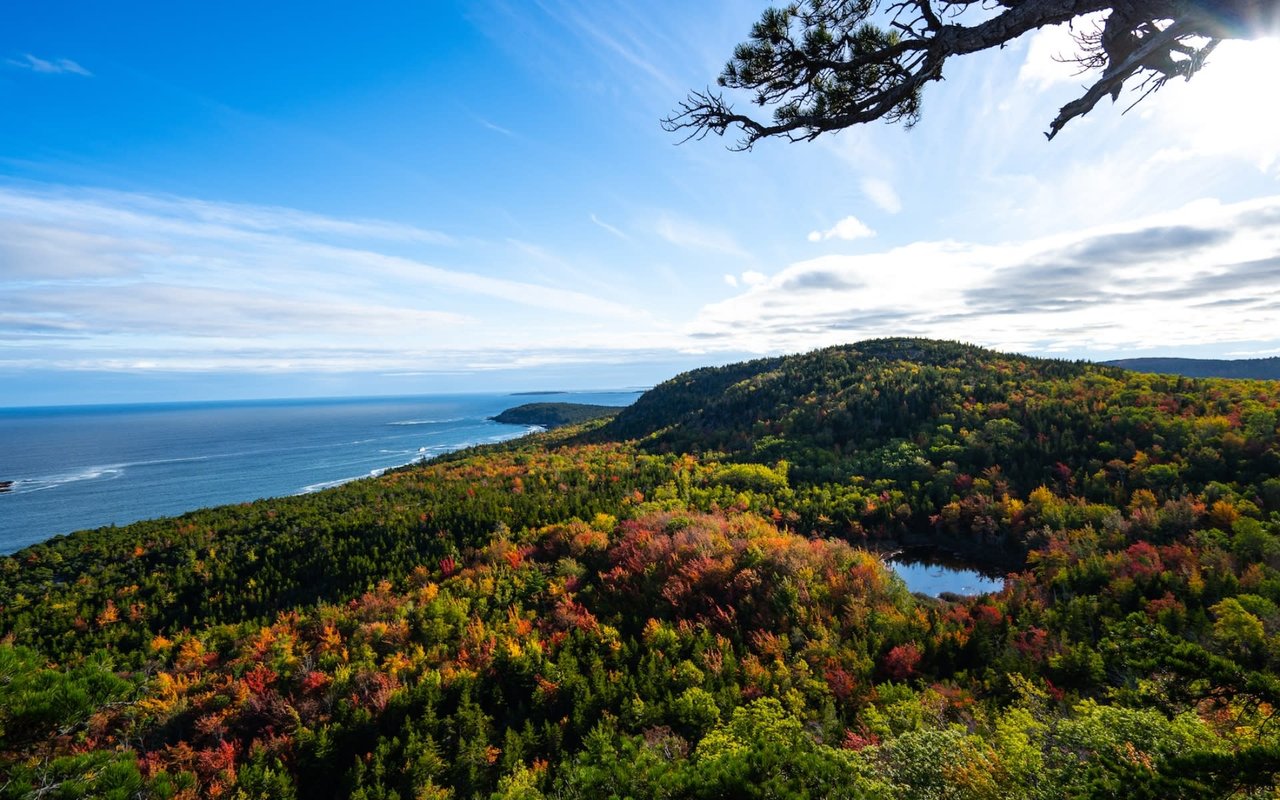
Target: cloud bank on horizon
1203, 273
564, 229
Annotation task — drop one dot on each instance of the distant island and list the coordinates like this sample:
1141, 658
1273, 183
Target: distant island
554, 415
536, 394
1267, 369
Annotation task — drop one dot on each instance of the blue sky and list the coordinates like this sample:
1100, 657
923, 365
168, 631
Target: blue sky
238, 200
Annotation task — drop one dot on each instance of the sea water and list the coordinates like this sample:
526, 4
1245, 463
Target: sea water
80, 467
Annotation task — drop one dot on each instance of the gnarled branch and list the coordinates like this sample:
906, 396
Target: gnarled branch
824, 65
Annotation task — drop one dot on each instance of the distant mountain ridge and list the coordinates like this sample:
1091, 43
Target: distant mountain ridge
1267, 369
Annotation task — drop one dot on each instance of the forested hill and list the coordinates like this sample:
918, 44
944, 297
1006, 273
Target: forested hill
677, 604
912, 410
1248, 368
836, 397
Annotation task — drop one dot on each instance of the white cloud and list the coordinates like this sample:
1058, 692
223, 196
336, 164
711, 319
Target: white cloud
599, 48
57, 66
1192, 126
692, 235
632, 52
1205, 273
1219, 113
1050, 53
496, 128
882, 193
92, 279
610, 228
847, 229
114, 211
749, 278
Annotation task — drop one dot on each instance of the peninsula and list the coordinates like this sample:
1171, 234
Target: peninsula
554, 415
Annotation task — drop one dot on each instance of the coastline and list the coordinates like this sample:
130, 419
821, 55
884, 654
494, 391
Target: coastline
90, 469
422, 458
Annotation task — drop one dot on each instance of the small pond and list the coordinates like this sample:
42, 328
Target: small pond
930, 571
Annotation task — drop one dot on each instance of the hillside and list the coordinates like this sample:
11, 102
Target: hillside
1248, 368
553, 415
676, 604
904, 410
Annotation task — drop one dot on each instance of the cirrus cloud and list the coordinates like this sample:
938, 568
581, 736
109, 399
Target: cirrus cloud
55, 66
100, 279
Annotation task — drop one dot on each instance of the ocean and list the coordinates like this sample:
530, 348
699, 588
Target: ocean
79, 467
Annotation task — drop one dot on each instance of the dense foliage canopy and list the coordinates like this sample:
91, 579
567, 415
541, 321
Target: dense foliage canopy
685, 602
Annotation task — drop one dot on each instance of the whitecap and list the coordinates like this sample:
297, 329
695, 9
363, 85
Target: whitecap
44, 483
428, 421
317, 487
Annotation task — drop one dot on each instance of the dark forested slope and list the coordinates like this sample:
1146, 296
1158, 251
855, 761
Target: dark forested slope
675, 604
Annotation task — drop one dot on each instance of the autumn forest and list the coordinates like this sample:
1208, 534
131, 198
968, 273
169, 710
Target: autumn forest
688, 600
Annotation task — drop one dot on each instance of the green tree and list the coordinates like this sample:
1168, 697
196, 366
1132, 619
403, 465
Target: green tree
1238, 631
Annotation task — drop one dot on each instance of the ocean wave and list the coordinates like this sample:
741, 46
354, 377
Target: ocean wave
377, 472
506, 437
420, 455
420, 452
430, 421
46, 482
321, 486
182, 460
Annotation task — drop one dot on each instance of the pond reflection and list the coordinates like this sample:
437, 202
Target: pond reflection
927, 570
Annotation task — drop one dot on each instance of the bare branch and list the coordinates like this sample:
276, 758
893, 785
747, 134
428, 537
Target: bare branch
1155, 54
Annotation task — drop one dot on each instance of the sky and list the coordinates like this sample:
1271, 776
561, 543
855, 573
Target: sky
233, 199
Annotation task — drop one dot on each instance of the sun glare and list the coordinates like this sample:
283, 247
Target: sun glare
1227, 108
